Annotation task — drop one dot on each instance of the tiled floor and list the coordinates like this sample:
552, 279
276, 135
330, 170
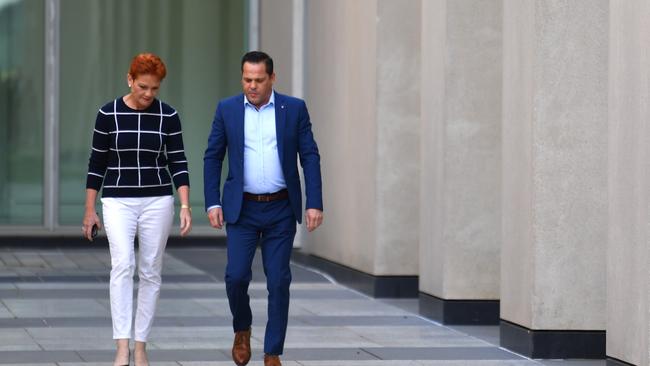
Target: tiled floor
54, 310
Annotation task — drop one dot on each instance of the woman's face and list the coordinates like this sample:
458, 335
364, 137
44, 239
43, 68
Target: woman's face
144, 88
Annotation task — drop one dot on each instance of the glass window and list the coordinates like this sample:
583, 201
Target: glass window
200, 41
21, 111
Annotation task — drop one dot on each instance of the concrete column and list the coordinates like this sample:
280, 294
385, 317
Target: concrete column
554, 189
276, 25
628, 264
362, 86
460, 231
281, 36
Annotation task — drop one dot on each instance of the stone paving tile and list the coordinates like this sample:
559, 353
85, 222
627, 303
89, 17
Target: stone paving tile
4, 312
26, 357
411, 305
68, 345
52, 294
206, 286
197, 338
30, 308
17, 340
58, 260
56, 339
189, 307
88, 260
21, 323
478, 363
347, 307
108, 363
375, 321
416, 336
311, 286
71, 334
176, 266
334, 354
61, 286
319, 337
573, 362
229, 363
420, 363
360, 363
156, 357
75, 322
31, 260
442, 353
488, 333
105, 260
258, 307
8, 260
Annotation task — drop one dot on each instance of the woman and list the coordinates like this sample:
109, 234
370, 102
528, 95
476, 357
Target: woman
137, 153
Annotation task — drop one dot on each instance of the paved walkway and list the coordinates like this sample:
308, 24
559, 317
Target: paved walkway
54, 310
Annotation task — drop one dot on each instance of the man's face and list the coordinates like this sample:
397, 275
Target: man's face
257, 84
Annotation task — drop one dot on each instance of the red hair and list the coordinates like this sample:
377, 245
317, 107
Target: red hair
147, 63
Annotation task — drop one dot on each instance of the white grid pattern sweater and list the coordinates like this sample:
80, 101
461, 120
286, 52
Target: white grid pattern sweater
134, 151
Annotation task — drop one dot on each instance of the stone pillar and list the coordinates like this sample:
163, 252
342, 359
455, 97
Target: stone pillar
276, 27
281, 36
554, 189
460, 206
628, 264
362, 88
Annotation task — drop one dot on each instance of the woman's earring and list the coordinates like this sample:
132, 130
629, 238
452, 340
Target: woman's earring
129, 85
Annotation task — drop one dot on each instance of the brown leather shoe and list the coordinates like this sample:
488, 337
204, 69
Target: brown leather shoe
241, 348
271, 360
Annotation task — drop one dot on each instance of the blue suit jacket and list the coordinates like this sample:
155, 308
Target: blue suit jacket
294, 139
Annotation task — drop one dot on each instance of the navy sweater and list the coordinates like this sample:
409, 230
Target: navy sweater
134, 151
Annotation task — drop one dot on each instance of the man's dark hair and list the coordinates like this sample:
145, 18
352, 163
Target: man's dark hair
256, 57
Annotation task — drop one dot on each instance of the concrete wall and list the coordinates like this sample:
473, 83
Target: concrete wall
460, 231
363, 97
628, 280
554, 164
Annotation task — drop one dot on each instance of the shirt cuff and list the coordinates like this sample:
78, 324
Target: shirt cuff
211, 207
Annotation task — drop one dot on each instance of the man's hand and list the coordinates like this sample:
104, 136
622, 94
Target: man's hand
215, 216
314, 218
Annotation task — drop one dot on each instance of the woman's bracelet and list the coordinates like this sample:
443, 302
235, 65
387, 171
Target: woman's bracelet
187, 207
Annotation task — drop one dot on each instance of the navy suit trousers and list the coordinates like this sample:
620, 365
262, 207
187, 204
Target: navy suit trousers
273, 226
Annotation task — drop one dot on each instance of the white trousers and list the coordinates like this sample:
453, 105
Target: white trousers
151, 219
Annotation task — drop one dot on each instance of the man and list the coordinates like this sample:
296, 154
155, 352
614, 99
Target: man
264, 133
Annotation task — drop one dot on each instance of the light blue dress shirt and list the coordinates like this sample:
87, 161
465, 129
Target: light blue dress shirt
262, 169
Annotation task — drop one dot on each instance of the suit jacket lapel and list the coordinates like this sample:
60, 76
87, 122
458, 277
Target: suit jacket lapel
280, 123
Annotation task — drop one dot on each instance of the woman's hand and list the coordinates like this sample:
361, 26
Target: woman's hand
90, 219
90, 216
186, 211
186, 220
